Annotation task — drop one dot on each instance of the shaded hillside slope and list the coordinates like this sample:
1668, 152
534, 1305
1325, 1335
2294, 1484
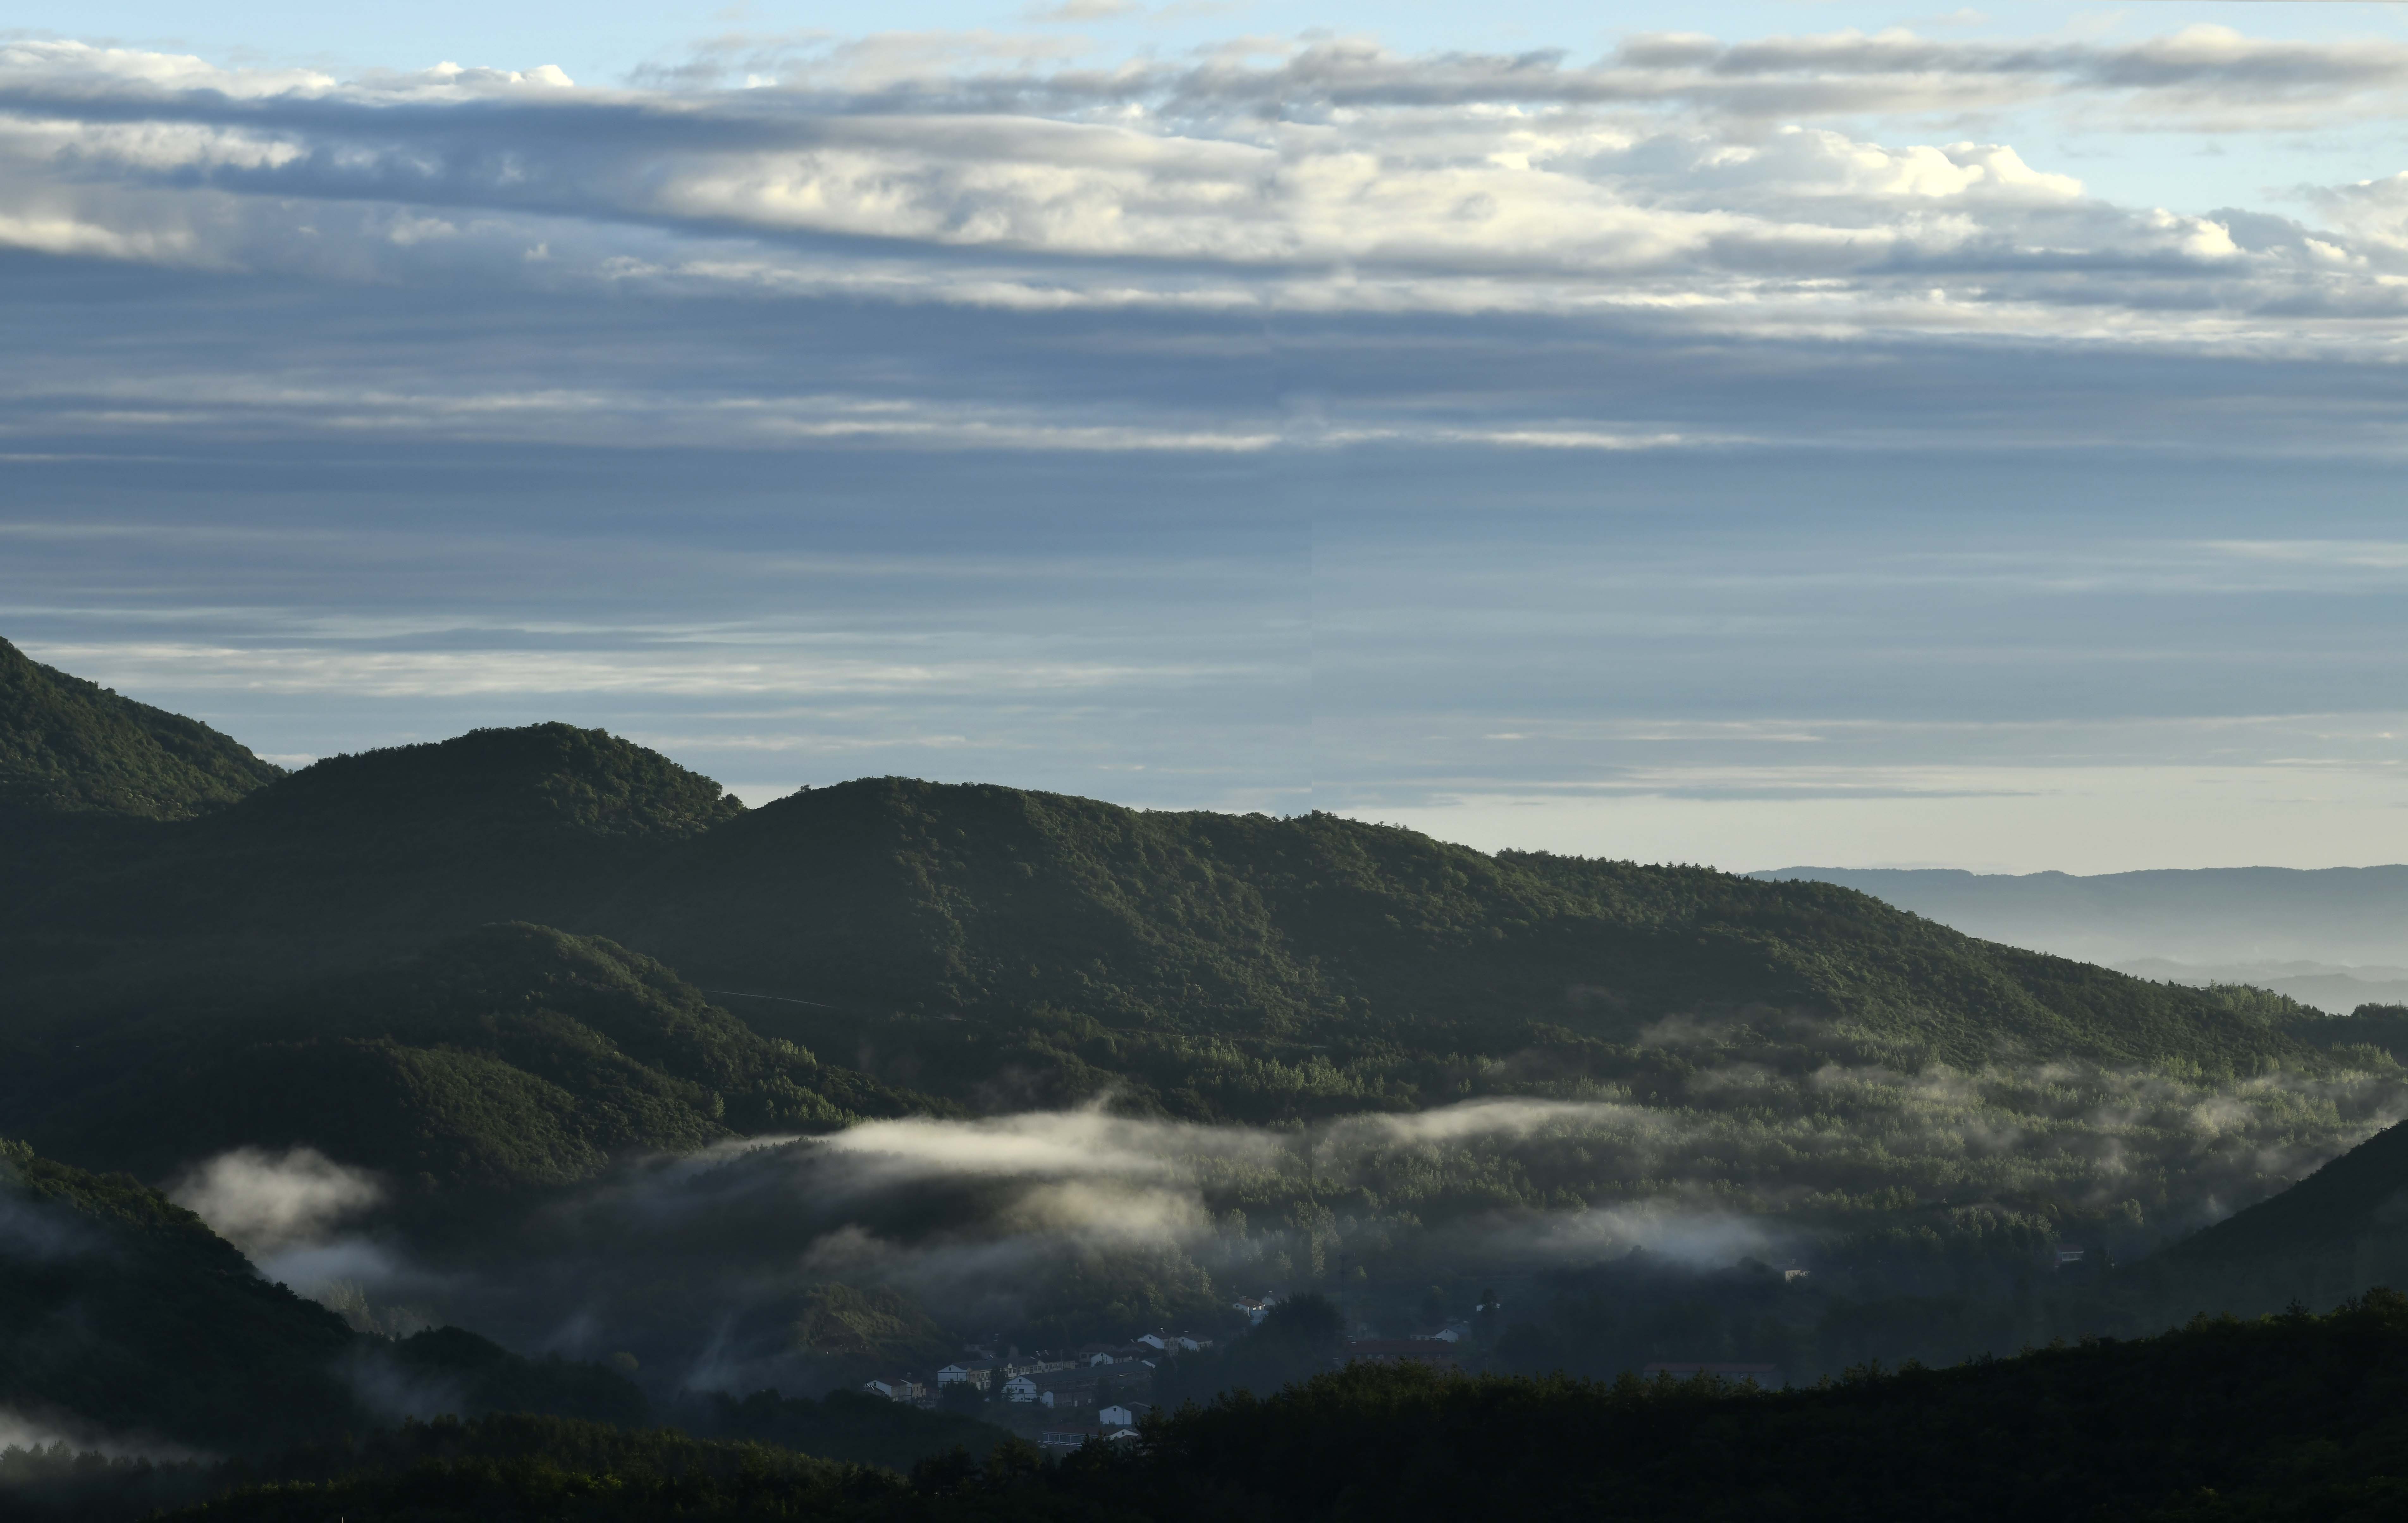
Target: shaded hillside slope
2215, 1420
2352, 1204
2296, 1417
514, 1055
361, 856
1144, 944
121, 1309
68, 747
1006, 947
121, 1314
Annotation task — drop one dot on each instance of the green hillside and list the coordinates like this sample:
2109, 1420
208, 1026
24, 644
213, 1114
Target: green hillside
1002, 947
354, 859
514, 1055
1251, 966
305, 966
68, 747
494, 787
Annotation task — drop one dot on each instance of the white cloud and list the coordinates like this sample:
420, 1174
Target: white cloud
263, 1202
1683, 176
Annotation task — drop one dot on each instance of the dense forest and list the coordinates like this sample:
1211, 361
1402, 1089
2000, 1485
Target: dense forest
702, 1115
2289, 1416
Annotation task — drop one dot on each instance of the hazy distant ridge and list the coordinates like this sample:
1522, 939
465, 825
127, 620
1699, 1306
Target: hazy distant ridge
2207, 914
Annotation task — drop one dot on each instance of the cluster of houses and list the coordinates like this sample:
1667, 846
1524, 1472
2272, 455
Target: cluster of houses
1114, 1424
1103, 1377
1099, 1391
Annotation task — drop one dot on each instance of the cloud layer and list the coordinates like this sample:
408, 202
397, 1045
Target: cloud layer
699, 1263
1684, 178
1569, 448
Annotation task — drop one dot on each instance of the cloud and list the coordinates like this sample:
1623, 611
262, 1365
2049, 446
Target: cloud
263, 1202
700, 1264
1085, 11
20, 1431
1681, 176
471, 672
1087, 1143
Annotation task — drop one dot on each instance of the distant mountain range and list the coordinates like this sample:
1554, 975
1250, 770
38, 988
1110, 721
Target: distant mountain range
2335, 938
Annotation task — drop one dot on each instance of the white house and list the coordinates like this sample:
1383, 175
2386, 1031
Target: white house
1020, 1388
978, 1372
1255, 1310
895, 1388
1123, 1414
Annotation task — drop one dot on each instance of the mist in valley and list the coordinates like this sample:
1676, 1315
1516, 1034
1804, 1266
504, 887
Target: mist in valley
1056, 1229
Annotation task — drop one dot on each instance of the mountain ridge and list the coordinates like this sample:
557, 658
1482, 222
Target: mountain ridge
69, 746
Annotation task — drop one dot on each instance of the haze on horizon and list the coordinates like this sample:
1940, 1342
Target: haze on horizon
1832, 436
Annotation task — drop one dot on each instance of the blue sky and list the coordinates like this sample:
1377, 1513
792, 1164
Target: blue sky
1756, 433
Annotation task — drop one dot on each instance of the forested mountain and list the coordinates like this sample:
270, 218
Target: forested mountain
71, 747
358, 857
522, 982
997, 947
509, 1057
1187, 952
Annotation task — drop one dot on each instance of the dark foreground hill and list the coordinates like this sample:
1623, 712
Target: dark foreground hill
2354, 1205
121, 1314
2295, 1418
2342, 1226
124, 1309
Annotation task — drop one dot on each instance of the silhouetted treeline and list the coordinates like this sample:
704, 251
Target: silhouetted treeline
2291, 1417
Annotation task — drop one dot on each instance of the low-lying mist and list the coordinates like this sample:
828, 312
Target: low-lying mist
1057, 1228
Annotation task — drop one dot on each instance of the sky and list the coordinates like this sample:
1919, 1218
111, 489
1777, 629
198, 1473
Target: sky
1754, 434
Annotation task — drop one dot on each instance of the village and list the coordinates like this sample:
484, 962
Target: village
1102, 1392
